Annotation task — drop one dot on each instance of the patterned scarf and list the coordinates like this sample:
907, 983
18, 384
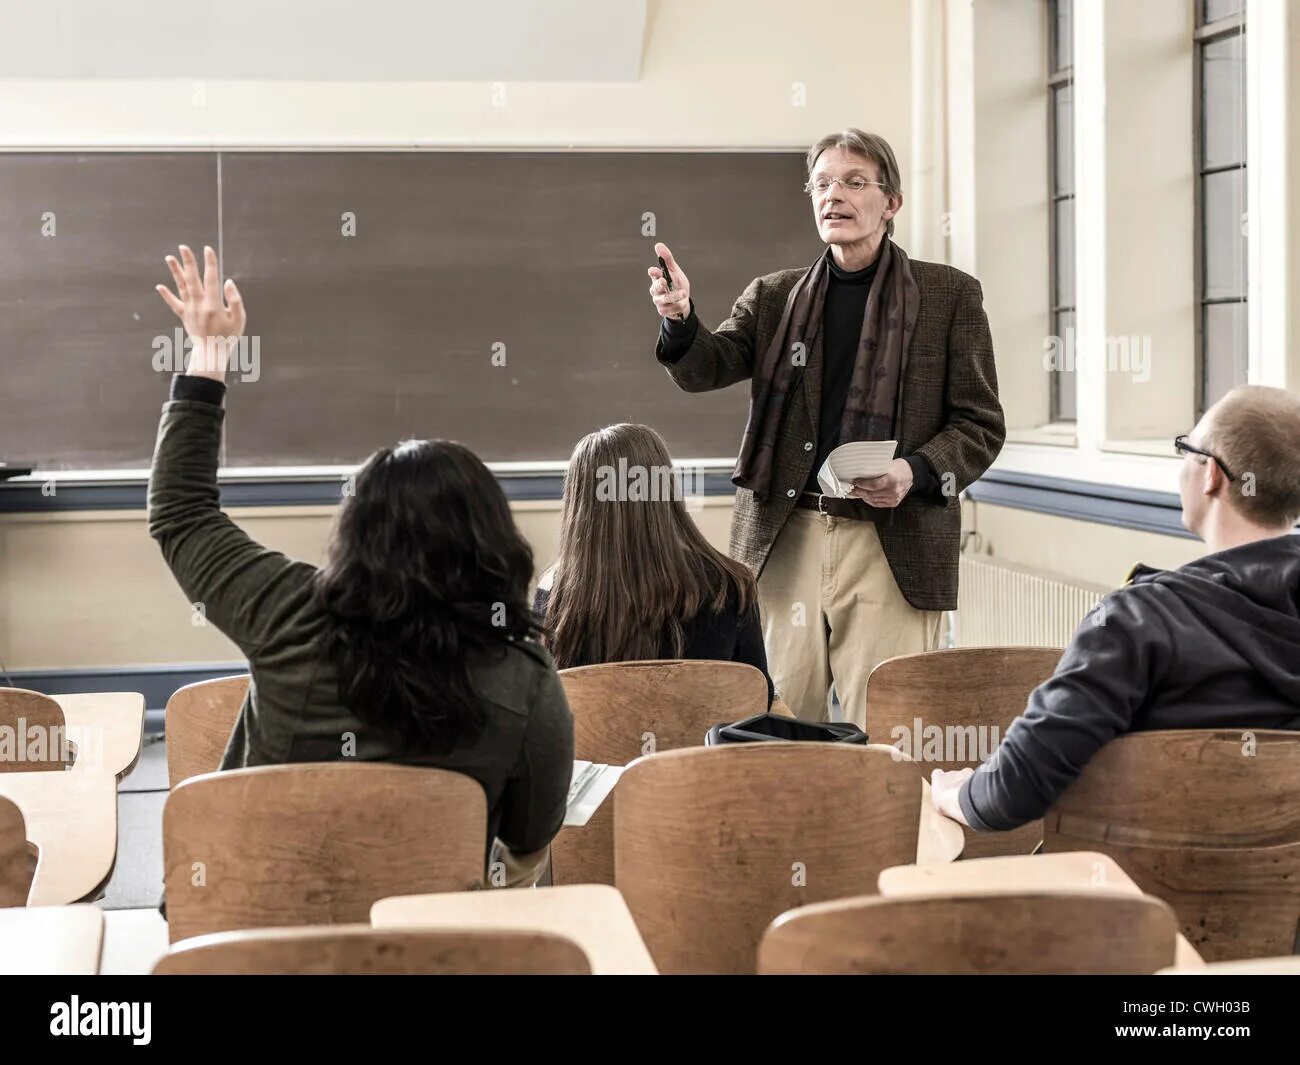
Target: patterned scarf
887, 328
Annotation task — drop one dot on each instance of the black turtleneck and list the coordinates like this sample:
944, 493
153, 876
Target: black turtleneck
842, 314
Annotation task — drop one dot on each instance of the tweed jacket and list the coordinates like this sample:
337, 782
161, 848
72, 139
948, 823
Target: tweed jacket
948, 412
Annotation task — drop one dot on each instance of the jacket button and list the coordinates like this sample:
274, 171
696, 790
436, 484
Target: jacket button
807, 445
790, 493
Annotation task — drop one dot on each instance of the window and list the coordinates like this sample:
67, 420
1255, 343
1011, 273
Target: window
1220, 197
1060, 135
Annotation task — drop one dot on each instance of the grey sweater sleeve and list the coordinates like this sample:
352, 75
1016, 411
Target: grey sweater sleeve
231, 581
1118, 655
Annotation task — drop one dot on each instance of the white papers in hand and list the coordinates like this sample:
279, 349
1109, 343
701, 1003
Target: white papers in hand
848, 462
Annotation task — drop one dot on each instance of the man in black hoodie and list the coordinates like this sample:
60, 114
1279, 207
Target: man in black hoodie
1212, 644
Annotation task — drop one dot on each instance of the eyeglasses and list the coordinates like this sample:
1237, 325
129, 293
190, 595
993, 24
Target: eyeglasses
1182, 446
853, 184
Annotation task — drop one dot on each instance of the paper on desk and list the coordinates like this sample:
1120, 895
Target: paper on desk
589, 797
848, 462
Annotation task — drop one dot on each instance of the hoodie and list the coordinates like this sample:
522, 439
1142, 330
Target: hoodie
1213, 644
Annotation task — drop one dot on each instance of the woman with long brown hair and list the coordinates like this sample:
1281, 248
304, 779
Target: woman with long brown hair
635, 578
412, 644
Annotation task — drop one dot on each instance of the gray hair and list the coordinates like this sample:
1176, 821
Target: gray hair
873, 147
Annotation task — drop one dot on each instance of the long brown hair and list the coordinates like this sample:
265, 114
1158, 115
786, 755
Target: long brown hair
632, 567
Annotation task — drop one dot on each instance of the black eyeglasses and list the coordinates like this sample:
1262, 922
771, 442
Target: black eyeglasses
1181, 445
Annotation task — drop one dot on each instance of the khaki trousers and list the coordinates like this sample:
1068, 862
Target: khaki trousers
832, 612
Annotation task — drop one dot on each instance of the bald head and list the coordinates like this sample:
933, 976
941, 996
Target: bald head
1255, 431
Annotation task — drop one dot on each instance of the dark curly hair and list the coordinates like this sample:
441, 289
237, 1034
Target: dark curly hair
425, 568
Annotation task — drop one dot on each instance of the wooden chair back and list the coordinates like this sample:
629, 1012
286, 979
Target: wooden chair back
949, 710
712, 843
315, 843
1005, 933
199, 720
1206, 819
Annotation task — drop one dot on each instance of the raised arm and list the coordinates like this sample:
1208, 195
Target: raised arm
240, 587
699, 360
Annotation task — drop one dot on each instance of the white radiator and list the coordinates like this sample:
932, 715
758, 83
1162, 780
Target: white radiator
1002, 603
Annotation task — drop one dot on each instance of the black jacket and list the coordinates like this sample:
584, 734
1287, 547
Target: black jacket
727, 636
1213, 644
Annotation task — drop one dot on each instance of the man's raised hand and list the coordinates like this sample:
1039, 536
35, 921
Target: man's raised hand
677, 303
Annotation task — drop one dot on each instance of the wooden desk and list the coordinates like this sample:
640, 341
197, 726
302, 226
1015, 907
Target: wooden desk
939, 839
51, 940
117, 721
1069, 871
134, 941
72, 817
594, 915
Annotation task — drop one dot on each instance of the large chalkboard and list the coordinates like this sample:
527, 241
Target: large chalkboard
385, 290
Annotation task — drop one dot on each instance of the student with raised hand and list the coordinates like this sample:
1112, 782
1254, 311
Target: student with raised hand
413, 644
634, 578
1212, 644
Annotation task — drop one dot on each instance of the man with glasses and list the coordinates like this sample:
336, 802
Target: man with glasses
864, 344
1213, 644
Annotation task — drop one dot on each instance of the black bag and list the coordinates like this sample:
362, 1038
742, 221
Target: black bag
779, 727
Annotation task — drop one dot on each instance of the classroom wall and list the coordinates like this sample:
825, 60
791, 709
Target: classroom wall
87, 589
1077, 550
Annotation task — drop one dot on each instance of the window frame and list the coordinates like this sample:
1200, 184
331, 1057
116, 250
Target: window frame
1058, 77
1206, 33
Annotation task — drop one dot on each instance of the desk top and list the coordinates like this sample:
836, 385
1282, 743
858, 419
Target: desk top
594, 915
72, 817
1068, 871
51, 940
117, 722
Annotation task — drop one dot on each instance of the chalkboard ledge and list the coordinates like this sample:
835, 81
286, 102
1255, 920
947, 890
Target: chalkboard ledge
312, 486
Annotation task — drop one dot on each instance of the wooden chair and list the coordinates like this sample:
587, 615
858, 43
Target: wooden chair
17, 862
1007, 933
971, 695
199, 720
315, 843
31, 719
71, 823
1208, 820
623, 710
712, 844
365, 951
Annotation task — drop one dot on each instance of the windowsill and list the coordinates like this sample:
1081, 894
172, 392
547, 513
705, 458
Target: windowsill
1162, 449
1054, 434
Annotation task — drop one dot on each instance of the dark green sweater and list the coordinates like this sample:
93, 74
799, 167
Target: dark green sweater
263, 601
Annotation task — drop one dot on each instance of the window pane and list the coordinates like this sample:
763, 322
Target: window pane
1224, 336
1065, 388
1217, 9
1065, 253
1064, 133
1223, 100
1063, 37
1224, 247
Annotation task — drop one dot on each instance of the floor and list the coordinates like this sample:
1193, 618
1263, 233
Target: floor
135, 934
